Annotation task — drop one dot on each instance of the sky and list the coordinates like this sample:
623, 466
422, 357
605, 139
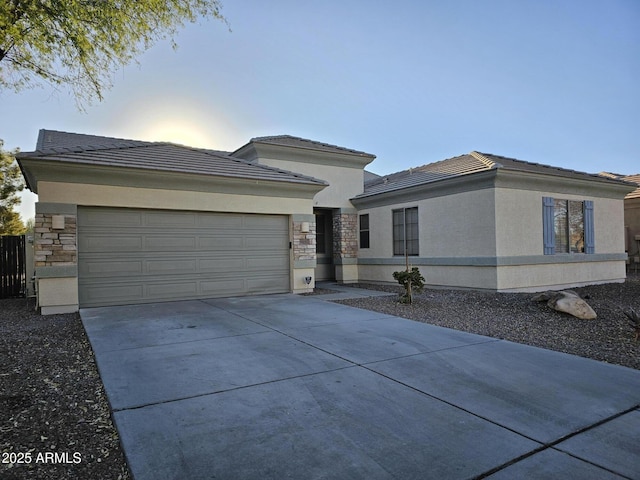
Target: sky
412, 82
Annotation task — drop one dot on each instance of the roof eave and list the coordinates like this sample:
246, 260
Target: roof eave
437, 188
253, 151
37, 170
583, 184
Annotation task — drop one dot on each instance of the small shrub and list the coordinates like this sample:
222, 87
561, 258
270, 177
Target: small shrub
411, 280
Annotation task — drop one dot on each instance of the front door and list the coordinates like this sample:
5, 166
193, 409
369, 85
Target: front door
324, 245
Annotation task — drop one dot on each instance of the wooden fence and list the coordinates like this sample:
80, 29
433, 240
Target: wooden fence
12, 266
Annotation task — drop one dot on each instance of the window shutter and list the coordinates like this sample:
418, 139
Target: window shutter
548, 231
589, 231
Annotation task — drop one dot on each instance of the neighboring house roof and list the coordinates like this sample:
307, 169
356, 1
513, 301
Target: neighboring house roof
73, 148
462, 165
291, 141
635, 178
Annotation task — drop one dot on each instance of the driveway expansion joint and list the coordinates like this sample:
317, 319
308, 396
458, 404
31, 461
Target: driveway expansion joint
226, 390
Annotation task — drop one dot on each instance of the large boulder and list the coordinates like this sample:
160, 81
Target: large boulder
568, 301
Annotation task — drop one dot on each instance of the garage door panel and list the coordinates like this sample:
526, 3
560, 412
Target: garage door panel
220, 221
107, 218
272, 263
264, 223
104, 243
170, 220
221, 265
169, 243
171, 290
155, 255
223, 242
265, 243
113, 294
103, 268
171, 266
261, 284
222, 288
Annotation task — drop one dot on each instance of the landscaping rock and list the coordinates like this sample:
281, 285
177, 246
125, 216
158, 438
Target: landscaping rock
568, 301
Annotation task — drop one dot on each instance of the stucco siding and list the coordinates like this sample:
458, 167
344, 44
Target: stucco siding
535, 278
519, 222
116, 196
460, 225
58, 295
344, 183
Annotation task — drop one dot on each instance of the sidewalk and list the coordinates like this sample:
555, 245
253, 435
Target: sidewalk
345, 292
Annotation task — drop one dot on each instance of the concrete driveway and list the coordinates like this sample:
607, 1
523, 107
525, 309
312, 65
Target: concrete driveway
286, 386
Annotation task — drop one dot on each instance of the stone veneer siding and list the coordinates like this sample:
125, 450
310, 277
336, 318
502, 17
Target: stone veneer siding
345, 235
54, 247
304, 244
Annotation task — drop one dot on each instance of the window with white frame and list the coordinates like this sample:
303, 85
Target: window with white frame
405, 231
568, 226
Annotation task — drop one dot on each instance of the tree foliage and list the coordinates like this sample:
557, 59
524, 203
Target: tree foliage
10, 184
79, 43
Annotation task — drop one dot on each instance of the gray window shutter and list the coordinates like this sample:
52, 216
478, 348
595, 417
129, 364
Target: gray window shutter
589, 231
548, 230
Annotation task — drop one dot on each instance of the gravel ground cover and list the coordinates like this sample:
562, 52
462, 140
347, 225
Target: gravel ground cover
55, 421
516, 317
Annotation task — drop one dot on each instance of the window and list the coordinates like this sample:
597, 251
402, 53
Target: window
405, 231
364, 231
321, 233
568, 226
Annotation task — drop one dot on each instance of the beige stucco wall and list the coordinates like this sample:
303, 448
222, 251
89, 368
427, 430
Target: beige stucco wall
58, 295
454, 225
117, 196
519, 221
534, 278
344, 183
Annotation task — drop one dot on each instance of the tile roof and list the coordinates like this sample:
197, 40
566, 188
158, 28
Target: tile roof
291, 141
54, 139
635, 178
459, 166
161, 156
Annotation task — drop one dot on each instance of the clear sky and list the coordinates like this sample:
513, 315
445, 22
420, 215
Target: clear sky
412, 82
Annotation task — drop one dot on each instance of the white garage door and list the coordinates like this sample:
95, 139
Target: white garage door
128, 256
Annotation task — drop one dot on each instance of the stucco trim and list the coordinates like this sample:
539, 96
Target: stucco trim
304, 264
57, 208
62, 271
303, 217
496, 261
345, 261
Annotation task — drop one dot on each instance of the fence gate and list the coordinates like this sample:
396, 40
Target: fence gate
12, 266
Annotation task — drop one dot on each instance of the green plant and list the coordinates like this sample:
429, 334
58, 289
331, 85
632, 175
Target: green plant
411, 280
